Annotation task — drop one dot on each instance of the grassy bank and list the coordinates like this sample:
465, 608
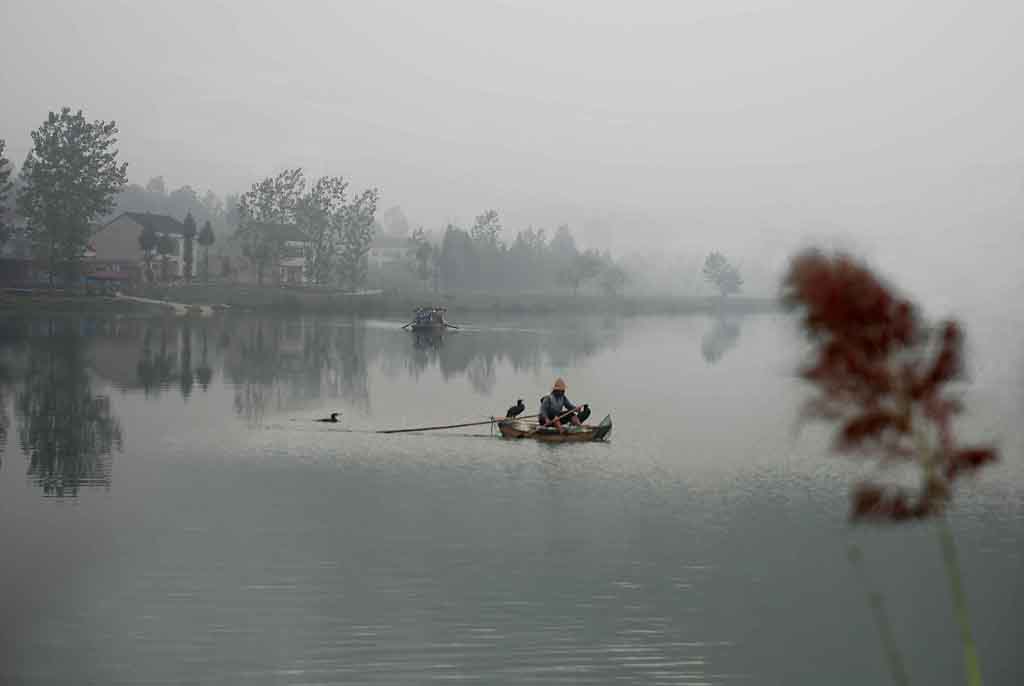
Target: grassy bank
402, 304
69, 302
269, 299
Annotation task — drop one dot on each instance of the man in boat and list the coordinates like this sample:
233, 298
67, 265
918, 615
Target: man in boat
555, 405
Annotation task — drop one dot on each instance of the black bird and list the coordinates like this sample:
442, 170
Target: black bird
516, 410
333, 419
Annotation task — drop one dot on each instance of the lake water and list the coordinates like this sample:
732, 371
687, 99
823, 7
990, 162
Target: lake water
170, 513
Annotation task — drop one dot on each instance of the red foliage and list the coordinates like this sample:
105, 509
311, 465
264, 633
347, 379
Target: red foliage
882, 374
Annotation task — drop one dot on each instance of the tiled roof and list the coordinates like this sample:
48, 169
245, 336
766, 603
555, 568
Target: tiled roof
160, 223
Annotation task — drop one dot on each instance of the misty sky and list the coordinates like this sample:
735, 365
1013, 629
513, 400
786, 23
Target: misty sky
752, 125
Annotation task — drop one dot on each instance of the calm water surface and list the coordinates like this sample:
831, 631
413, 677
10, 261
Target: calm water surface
170, 513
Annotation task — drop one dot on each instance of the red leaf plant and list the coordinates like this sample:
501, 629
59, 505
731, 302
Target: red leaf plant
883, 375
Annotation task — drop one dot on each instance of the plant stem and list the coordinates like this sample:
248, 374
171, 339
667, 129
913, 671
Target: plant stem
893, 656
950, 560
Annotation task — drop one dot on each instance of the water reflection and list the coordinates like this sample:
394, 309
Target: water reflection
53, 371
6, 383
288, 364
282, 364
723, 335
65, 427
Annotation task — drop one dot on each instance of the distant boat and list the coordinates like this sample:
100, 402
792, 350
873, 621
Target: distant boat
429, 319
521, 428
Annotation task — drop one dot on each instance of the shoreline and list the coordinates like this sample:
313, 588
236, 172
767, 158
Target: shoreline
302, 301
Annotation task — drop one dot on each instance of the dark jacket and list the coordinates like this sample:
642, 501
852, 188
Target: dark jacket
551, 406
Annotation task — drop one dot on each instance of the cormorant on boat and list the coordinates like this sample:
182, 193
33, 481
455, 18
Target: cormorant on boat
515, 410
333, 419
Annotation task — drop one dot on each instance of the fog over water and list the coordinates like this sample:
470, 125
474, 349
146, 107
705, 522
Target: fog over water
751, 127
191, 524
610, 193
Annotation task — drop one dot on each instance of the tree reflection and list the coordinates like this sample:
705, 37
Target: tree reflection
156, 368
186, 376
252, 365
720, 338
288, 364
6, 382
66, 430
204, 372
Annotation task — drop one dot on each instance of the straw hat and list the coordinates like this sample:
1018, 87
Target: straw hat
559, 384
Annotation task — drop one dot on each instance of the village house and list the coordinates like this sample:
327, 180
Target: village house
228, 261
19, 267
118, 255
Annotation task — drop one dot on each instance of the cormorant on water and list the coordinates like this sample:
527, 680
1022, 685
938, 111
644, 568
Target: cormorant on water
515, 410
333, 419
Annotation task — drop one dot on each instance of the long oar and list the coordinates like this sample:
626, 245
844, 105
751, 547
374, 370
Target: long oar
492, 420
435, 428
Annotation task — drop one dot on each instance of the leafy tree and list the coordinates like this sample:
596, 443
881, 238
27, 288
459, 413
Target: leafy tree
165, 248
486, 230
157, 185
184, 201
531, 242
71, 177
612, 279
148, 241
721, 274
188, 258
394, 221
422, 253
231, 216
5, 189
206, 239
357, 231
563, 245
272, 200
213, 205
320, 215
583, 267
458, 263
179, 203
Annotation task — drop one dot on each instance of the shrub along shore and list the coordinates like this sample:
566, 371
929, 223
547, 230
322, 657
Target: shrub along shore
273, 299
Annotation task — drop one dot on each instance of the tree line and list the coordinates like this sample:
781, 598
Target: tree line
479, 259
72, 177
338, 228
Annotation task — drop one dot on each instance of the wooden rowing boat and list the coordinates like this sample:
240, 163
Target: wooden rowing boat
429, 320
431, 327
518, 428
